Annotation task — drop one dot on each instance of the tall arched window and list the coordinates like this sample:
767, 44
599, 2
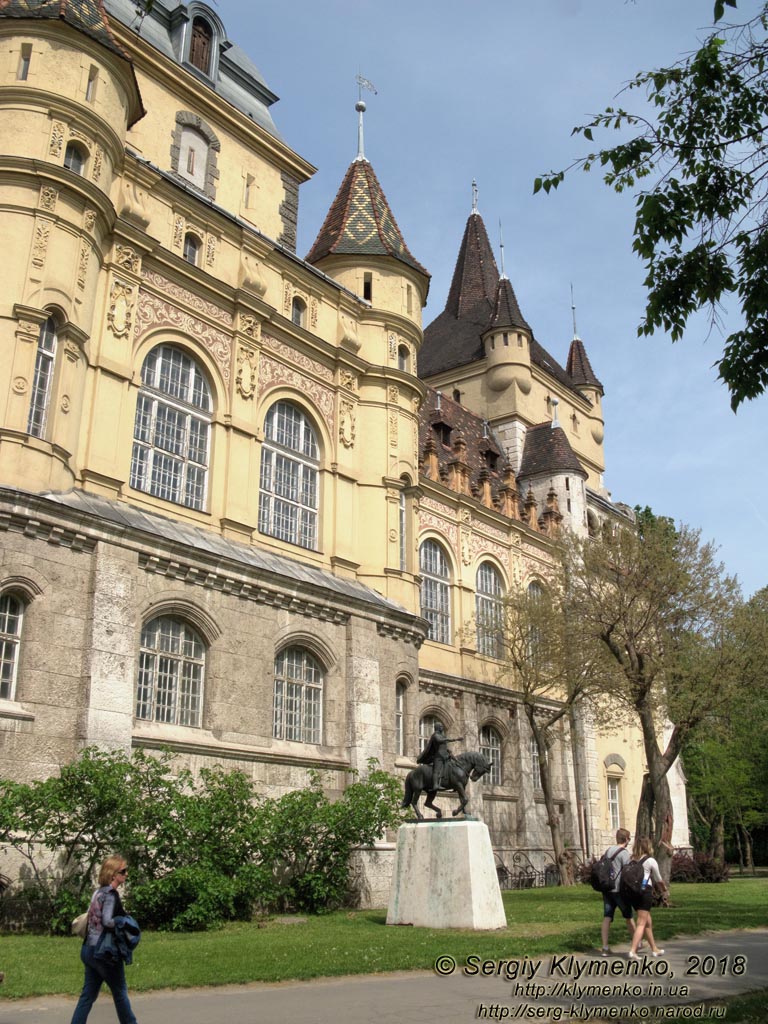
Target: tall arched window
42, 382
490, 746
535, 764
11, 619
169, 688
489, 610
400, 689
298, 311
288, 499
171, 432
298, 703
200, 45
427, 725
435, 591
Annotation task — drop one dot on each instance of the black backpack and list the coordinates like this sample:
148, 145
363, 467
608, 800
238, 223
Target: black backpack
601, 876
632, 876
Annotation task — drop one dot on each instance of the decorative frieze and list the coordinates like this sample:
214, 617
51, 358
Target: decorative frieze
428, 521
212, 579
196, 302
410, 636
153, 311
49, 532
272, 373
295, 358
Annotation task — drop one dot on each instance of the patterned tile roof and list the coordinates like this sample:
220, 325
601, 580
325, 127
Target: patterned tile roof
360, 222
579, 367
484, 451
548, 450
87, 16
506, 311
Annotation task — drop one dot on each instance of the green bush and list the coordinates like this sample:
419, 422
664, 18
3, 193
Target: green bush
202, 850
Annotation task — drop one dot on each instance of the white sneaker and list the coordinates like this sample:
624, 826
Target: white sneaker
657, 952
605, 951
632, 956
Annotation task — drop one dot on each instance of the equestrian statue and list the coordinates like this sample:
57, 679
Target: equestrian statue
439, 771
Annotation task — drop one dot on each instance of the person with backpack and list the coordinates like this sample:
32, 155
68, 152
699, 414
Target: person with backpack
638, 880
608, 871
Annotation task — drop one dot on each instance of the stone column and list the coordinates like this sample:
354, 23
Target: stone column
364, 730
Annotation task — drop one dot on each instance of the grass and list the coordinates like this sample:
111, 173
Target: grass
358, 942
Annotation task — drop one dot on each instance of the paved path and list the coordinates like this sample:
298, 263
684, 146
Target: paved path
548, 990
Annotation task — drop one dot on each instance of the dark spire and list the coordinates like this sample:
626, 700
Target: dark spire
506, 311
579, 368
473, 287
360, 222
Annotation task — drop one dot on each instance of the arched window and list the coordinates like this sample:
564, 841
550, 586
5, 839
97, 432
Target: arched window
535, 765
75, 157
298, 704
490, 746
11, 619
288, 499
489, 610
403, 358
169, 688
536, 652
427, 725
435, 591
42, 382
200, 45
298, 311
400, 689
171, 432
192, 246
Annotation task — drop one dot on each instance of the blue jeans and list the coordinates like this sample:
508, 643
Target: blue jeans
96, 972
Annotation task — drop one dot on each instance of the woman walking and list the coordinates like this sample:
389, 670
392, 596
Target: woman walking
643, 901
105, 907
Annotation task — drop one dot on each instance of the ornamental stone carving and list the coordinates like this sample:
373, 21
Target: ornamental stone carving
392, 345
286, 297
40, 244
178, 232
313, 314
65, 403
190, 299
273, 373
394, 394
247, 372
119, 315
89, 219
57, 138
295, 358
127, 258
466, 548
152, 312
71, 351
210, 251
348, 380
249, 326
347, 425
48, 197
98, 161
393, 419
82, 263
20, 385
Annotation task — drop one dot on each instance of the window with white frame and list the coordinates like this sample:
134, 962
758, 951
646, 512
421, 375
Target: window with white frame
427, 725
490, 747
42, 381
489, 608
172, 429
403, 525
400, 689
169, 688
614, 805
298, 703
288, 498
11, 619
435, 591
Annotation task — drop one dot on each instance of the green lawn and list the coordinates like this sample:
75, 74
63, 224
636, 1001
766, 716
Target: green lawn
540, 921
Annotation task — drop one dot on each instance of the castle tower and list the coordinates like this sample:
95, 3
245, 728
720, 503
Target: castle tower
63, 156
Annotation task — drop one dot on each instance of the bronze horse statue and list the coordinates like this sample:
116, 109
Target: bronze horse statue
459, 770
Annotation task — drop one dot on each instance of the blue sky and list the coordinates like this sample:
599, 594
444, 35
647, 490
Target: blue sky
491, 90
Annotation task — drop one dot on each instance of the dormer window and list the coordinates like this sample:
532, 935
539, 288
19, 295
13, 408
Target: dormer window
201, 45
491, 460
442, 433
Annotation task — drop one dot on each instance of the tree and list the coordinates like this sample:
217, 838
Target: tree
555, 668
662, 607
700, 223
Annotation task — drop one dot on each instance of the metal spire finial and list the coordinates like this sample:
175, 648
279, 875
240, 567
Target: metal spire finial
474, 196
362, 83
501, 249
573, 313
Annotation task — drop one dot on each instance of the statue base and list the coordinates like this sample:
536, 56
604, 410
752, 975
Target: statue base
445, 877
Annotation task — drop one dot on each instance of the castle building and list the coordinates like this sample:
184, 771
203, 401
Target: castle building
249, 510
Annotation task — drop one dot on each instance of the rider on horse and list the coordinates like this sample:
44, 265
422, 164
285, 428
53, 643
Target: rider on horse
437, 753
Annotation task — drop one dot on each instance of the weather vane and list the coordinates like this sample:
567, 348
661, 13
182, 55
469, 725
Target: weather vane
362, 83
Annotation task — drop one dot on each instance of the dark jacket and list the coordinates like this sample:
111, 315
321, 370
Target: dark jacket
119, 943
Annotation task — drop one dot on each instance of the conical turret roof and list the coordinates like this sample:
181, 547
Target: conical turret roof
87, 16
360, 222
506, 311
548, 450
579, 367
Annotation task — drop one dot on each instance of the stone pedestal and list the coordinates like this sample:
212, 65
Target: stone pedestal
445, 877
